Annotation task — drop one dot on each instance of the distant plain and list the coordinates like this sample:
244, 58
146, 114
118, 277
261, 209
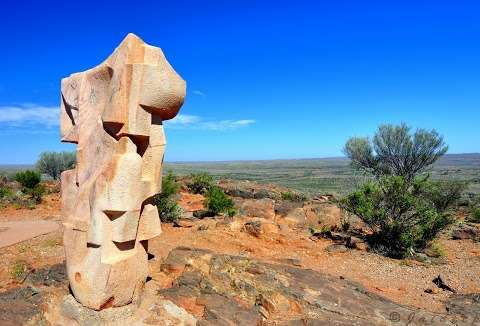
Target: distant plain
312, 176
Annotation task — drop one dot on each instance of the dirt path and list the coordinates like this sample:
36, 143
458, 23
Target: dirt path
15, 232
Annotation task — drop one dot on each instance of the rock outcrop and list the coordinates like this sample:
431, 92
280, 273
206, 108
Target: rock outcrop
222, 289
114, 112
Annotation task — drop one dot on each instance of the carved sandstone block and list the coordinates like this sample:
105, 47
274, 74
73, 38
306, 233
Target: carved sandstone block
114, 113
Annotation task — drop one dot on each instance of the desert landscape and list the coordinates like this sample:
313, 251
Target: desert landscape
250, 163
269, 232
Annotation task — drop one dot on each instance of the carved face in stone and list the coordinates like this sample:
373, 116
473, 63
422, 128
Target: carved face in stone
114, 112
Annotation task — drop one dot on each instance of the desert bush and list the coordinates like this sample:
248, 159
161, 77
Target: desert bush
394, 150
200, 182
36, 193
28, 178
5, 193
166, 203
216, 201
404, 210
475, 210
293, 196
402, 217
168, 210
30, 181
54, 163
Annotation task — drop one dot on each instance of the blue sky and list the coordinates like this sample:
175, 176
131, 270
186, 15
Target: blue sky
265, 80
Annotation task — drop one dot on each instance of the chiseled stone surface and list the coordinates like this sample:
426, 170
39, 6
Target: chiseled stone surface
114, 113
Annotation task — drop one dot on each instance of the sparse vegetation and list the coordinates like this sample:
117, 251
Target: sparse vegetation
5, 193
437, 249
30, 181
395, 151
475, 210
19, 269
404, 210
402, 216
200, 182
293, 196
217, 202
54, 163
166, 201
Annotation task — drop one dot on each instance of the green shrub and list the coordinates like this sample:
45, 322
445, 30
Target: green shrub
170, 186
54, 163
168, 210
293, 196
402, 217
28, 178
475, 210
5, 193
394, 150
216, 201
475, 215
167, 207
36, 193
200, 183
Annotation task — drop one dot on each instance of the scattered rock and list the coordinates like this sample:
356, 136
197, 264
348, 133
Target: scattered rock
55, 275
257, 228
432, 290
336, 247
202, 227
182, 223
465, 231
201, 214
465, 305
253, 228
249, 190
284, 207
291, 261
324, 198
297, 216
262, 208
19, 305
441, 284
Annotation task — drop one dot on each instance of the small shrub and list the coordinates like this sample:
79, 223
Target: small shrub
345, 222
438, 249
293, 196
474, 207
167, 207
216, 201
36, 193
28, 178
23, 248
5, 193
170, 186
401, 217
475, 215
19, 269
168, 210
200, 183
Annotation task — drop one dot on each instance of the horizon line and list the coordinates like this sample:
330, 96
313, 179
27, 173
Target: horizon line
249, 160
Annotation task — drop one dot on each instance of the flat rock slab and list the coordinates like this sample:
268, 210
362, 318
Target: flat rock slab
15, 232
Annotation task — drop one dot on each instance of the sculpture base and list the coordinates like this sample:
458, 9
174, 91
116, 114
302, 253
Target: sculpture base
76, 314
150, 309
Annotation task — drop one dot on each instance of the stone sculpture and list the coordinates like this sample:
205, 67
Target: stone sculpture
114, 112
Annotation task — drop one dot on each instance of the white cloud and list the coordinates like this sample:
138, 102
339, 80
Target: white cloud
28, 115
15, 118
199, 93
185, 121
